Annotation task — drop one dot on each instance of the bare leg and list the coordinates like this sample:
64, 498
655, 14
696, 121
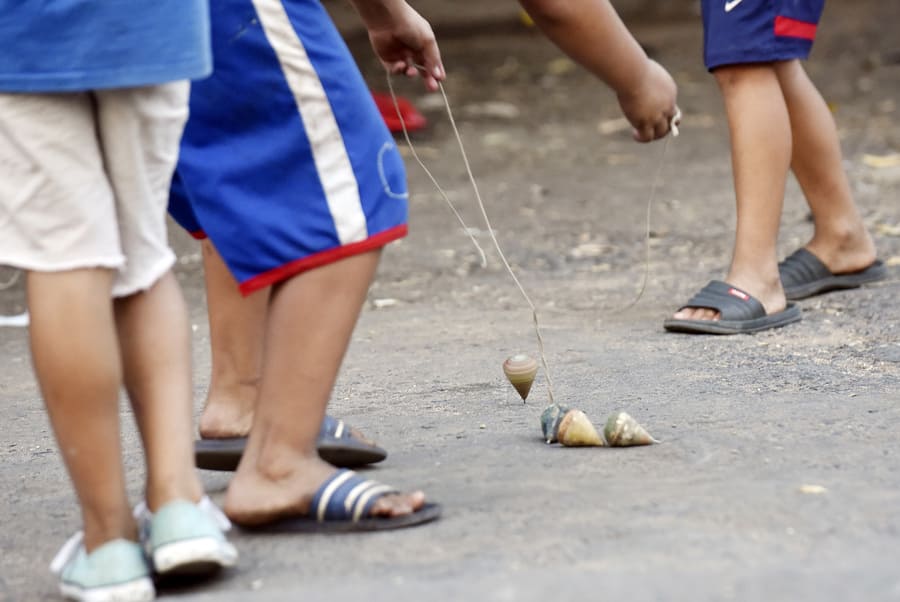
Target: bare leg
237, 332
76, 359
760, 156
237, 326
281, 470
841, 240
155, 346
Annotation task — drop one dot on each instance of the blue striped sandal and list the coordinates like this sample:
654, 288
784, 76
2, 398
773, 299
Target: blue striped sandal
342, 505
337, 445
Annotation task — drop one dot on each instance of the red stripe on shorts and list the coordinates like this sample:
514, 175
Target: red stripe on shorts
792, 28
315, 260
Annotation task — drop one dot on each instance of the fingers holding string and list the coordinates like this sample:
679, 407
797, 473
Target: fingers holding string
432, 72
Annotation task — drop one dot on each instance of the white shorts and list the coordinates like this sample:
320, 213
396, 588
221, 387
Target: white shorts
84, 180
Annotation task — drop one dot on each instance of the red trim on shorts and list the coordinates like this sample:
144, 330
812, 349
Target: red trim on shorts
323, 258
199, 234
792, 28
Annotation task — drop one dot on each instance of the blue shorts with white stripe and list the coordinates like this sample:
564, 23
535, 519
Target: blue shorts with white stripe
286, 163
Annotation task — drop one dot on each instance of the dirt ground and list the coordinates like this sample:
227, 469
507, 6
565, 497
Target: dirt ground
778, 475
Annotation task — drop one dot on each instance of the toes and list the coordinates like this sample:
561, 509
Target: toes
697, 313
398, 504
357, 434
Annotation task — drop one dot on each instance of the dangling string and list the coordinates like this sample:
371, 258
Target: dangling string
487, 221
434, 181
673, 127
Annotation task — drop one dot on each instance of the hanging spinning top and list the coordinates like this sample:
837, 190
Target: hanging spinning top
521, 369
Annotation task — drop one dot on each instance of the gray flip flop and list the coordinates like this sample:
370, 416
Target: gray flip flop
336, 445
804, 275
740, 312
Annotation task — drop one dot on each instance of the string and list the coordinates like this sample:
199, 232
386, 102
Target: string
12, 280
434, 181
673, 127
487, 221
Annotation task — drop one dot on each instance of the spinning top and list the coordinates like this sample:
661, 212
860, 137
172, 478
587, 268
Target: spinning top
550, 419
624, 431
521, 369
575, 430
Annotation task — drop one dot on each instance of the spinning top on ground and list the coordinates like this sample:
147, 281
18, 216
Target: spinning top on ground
624, 431
575, 430
550, 419
520, 369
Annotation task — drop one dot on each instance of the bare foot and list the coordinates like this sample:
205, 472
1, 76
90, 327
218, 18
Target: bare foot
770, 294
257, 496
359, 435
224, 418
845, 253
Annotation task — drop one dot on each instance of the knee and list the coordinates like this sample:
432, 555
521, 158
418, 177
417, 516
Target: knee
730, 77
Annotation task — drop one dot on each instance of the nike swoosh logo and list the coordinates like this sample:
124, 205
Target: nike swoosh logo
731, 5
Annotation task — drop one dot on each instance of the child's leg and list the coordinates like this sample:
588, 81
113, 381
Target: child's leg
140, 130
281, 470
237, 331
155, 346
841, 240
761, 155
76, 359
237, 327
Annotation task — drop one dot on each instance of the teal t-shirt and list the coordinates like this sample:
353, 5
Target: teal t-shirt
71, 45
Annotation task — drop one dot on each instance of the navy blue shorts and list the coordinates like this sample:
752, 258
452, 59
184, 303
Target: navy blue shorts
758, 31
286, 163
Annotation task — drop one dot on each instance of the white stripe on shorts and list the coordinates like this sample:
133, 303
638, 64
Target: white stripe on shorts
327, 143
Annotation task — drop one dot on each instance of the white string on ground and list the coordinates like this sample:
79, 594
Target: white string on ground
487, 221
11, 282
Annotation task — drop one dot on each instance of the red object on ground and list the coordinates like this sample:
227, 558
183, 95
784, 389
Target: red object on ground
413, 119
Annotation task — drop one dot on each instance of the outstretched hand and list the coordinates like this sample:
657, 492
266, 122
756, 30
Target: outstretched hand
406, 45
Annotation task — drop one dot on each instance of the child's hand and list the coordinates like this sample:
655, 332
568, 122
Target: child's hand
406, 41
650, 106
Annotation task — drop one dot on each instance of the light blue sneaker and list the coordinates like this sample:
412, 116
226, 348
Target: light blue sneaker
117, 571
186, 539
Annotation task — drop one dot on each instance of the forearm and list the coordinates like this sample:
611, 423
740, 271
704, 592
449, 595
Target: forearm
591, 33
377, 13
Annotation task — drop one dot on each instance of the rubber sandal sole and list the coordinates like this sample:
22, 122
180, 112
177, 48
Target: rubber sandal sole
304, 524
225, 454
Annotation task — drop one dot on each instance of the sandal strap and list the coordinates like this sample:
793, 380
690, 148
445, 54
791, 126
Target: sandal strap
802, 267
731, 302
335, 428
347, 496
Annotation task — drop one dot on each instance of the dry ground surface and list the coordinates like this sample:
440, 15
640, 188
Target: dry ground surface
718, 510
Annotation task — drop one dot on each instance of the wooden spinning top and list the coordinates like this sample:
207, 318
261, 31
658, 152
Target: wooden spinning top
521, 369
624, 431
550, 419
576, 430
